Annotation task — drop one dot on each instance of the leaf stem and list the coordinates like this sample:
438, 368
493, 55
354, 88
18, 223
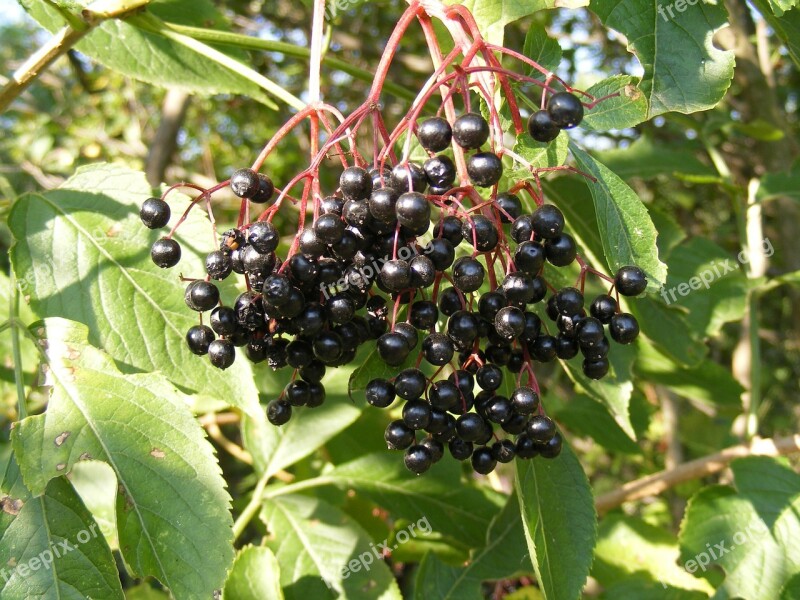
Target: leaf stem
56, 46
22, 410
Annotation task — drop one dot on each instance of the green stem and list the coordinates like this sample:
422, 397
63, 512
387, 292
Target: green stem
22, 410
245, 42
56, 46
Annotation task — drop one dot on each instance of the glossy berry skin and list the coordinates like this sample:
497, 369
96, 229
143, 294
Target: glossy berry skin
590, 332
470, 131
460, 449
482, 461
265, 190
440, 171
541, 127
568, 301
509, 322
470, 427
480, 232
565, 110
328, 346
398, 435
418, 459
437, 349
552, 448
245, 183
218, 264
155, 213
201, 295
355, 183
263, 237
543, 348
329, 228
444, 395
409, 177
424, 314
410, 384
518, 288
603, 308
409, 333
541, 429
450, 229
380, 393
279, 412
435, 134
529, 257
503, 451
561, 250
525, 400
526, 448
296, 393
498, 409
630, 281
221, 353
566, 347
596, 368
165, 253
416, 414
522, 229
223, 320
396, 275
484, 169
624, 328
468, 274
382, 204
509, 206
547, 222
423, 272
413, 211
393, 348
199, 338
489, 377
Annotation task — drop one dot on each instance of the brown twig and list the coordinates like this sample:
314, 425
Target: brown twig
655, 484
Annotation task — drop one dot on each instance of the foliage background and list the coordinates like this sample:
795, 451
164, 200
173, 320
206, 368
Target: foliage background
717, 368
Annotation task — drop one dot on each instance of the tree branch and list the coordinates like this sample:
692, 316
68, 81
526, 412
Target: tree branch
655, 484
165, 140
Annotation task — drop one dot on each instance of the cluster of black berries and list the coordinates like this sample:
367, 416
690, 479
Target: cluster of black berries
377, 264
564, 111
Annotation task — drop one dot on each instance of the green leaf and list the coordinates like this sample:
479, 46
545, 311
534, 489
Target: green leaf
752, 532
52, 548
323, 553
560, 522
373, 367
452, 507
630, 548
275, 448
620, 112
492, 16
628, 234
683, 71
540, 154
96, 484
783, 184
153, 58
791, 591
542, 49
503, 556
584, 416
173, 514
708, 383
614, 390
787, 27
647, 159
669, 329
709, 283
255, 575
104, 278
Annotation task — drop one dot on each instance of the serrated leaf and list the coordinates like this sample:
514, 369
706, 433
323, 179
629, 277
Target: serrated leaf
629, 548
152, 58
683, 71
503, 556
752, 532
255, 575
627, 109
85, 255
584, 416
558, 513
626, 230
51, 547
173, 514
453, 508
492, 16
708, 382
646, 159
539, 154
323, 553
542, 49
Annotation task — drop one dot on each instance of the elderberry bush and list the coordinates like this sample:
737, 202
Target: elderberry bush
447, 281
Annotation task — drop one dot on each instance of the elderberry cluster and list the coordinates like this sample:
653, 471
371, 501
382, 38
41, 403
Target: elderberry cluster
394, 258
